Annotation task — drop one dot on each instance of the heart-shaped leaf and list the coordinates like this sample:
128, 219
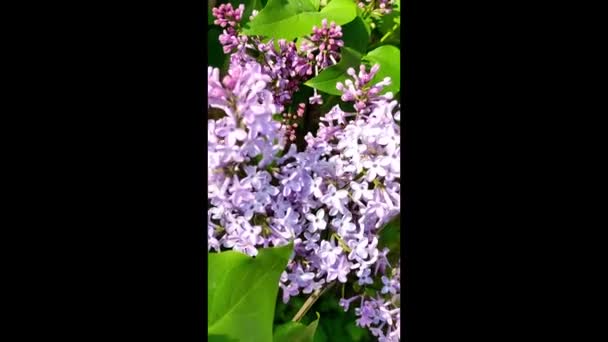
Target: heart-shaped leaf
242, 293
289, 19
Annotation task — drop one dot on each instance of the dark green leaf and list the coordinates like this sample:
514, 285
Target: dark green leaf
320, 336
291, 19
356, 35
242, 293
216, 56
390, 236
210, 17
296, 332
355, 332
389, 58
327, 79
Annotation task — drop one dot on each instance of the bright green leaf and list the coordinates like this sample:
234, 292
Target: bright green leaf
296, 332
289, 19
242, 293
327, 79
389, 58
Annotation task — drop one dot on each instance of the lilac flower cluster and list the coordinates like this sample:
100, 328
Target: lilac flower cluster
240, 188
333, 197
381, 315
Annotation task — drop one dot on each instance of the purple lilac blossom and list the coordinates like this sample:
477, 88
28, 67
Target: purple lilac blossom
331, 199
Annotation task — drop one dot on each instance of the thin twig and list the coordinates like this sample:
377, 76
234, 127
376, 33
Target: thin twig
310, 301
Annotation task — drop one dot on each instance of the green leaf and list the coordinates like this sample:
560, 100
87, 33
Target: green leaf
327, 79
289, 19
296, 332
210, 17
215, 54
355, 35
387, 23
242, 293
389, 58
390, 236
220, 338
356, 333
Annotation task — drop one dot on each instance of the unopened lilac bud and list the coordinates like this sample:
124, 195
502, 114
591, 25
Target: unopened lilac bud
374, 69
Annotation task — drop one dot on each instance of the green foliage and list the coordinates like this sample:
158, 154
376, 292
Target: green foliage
389, 59
390, 237
356, 35
216, 56
336, 324
291, 19
242, 293
327, 79
296, 332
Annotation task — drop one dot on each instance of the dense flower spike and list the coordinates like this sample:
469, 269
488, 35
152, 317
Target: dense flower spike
346, 182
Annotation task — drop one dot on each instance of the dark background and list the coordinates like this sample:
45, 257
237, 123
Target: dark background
108, 172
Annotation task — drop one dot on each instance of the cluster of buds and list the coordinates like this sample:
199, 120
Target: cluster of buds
361, 91
322, 49
229, 19
324, 44
290, 124
283, 67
